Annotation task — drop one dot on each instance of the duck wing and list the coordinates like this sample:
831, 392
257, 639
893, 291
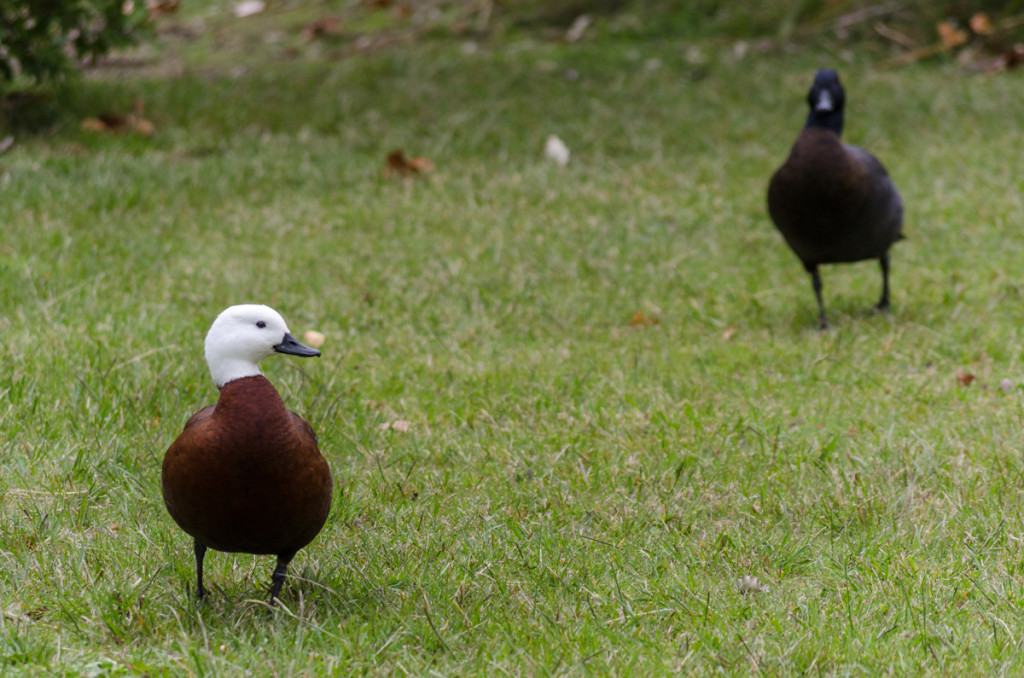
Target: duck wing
882, 215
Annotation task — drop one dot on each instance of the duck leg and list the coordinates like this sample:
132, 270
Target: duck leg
816, 283
200, 550
883, 303
277, 578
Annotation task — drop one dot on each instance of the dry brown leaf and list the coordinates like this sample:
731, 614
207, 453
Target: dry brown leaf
1014, 57
313, 338
117, 123
399, 425
158, 8
641, 319
981, 24
94, 125
951, 35
965, 378
143, 127
324, 26
399, 164
138, 123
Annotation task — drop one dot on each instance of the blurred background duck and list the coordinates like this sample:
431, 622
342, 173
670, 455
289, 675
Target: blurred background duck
833, 202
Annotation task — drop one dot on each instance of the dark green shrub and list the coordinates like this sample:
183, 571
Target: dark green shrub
47, 39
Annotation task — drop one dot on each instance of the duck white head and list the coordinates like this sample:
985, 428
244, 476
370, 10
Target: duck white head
243, 335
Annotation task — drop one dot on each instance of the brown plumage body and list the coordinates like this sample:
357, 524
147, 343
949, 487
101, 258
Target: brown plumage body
246, 476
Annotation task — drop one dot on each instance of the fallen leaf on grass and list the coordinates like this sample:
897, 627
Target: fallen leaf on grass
748, 584
641, 319
399, 425
324, 26
314, 339
143, 127
114, 123
965, 378
729, 334
106, 122
981, 24
158, 8
951, 35
1010, 60
118, 123
401, 165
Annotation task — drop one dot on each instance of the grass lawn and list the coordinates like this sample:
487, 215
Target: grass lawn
575, 492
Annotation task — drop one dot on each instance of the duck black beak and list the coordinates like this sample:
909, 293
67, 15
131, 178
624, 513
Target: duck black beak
291, 346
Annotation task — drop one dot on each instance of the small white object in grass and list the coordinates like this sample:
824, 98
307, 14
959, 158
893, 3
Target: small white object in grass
399, 425
578, 28
748, 584
314, 339
249, 7
556, 151
695, 56
1006, 385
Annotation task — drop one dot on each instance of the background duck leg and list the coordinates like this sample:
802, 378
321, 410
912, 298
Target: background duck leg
883, 303
816, 283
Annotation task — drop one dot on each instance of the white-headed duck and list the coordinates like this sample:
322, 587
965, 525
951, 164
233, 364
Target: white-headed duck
246, 475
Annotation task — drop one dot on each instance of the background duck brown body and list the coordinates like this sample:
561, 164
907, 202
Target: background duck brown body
246, 474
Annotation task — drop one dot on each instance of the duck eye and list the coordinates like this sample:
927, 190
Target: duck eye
260, 324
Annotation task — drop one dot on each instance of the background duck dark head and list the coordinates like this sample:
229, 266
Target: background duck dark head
833, 202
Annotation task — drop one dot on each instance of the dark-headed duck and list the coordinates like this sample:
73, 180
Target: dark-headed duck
246, 475
834, 202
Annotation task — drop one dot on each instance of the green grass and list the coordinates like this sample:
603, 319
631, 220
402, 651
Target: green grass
575, 494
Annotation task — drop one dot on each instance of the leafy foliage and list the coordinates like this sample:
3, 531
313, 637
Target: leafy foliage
46, 38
